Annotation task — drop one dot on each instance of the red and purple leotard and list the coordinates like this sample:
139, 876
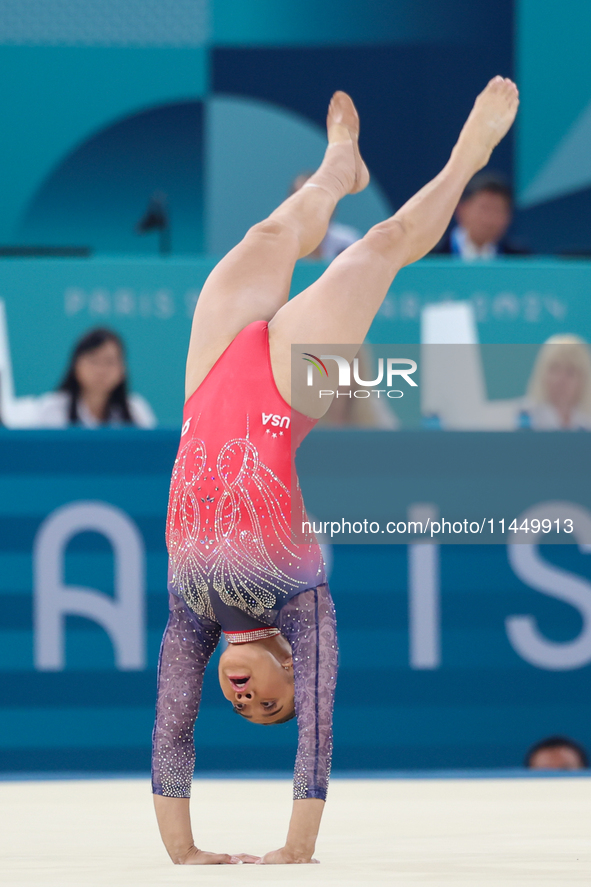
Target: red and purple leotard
233, 490
233, 564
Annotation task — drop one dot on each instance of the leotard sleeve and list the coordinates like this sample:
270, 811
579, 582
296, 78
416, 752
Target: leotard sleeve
186, 649
309, 624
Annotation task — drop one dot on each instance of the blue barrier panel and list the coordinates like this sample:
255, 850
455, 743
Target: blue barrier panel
437, 669
50, 304
469, 487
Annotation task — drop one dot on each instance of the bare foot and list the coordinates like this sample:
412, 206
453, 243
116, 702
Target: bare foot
490, 119
342, 125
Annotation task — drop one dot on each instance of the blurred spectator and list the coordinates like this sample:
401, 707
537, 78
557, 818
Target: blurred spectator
559, 390
338, 237
93, 391
483, 216
557, 753
348, 411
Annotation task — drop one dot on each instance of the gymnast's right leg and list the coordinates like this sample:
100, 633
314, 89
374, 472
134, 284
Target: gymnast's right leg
339, 307
252, 281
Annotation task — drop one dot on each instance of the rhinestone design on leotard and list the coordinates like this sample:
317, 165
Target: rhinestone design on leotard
228, 530
245, 637
308, 622
186, 649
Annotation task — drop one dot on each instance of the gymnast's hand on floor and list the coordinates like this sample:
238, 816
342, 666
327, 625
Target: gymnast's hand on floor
202, 857
284, 856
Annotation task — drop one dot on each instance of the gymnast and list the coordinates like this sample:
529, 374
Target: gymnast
234, 566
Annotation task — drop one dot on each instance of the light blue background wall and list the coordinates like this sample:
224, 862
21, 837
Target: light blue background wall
220, 105
116, 72
552, 165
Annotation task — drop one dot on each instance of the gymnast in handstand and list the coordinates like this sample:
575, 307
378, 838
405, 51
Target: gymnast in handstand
234, 566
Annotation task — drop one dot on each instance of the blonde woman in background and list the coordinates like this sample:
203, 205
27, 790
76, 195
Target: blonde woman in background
559, 389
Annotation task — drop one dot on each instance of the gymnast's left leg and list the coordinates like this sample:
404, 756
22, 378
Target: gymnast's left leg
253, 280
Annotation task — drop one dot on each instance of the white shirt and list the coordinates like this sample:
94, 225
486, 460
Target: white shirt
53, 412
545, 417
467, 249
337, 238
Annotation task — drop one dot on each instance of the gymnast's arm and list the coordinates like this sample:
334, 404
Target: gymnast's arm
308, 622
186, 649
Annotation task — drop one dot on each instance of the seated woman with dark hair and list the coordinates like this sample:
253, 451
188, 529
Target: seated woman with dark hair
93, 391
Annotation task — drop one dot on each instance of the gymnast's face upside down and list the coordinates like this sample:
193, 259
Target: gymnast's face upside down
257, 678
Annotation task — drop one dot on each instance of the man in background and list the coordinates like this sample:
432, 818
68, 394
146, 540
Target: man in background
557, 753
482, 218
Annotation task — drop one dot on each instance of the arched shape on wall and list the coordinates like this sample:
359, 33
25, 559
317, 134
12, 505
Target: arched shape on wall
97, 193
